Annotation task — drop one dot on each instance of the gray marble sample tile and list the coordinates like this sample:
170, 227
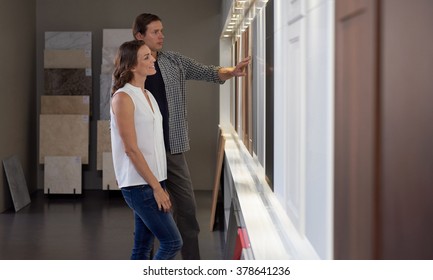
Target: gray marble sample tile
113, 38
65, 104
67, 82
67, 59
103, 141
17, 182
64, 135
62, 175
108, 58
105, 82
68, 40
108, 176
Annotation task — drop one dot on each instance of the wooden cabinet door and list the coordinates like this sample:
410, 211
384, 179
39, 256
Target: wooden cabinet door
407, 130
355, 129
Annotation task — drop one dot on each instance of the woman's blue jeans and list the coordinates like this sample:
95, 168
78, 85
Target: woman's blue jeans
151, 223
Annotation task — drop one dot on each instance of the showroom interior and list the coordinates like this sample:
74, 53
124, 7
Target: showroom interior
323, 151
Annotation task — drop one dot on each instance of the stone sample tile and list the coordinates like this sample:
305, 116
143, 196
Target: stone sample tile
67, 82
68, 40
17, 182
103, 141
113, 38
108, 59
108, 176
67, 59
105, 96
62, 175
64, 135
64, 104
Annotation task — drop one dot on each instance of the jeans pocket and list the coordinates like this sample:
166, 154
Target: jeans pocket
147, 197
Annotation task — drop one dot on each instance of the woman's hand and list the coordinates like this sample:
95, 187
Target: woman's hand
162, 199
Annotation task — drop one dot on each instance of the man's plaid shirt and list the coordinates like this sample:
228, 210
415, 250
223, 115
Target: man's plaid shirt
175, 70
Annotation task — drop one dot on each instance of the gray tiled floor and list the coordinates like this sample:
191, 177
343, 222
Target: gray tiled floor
94, 226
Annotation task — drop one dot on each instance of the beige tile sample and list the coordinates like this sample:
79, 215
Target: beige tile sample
67, 59
108, 177
64, 135
65, 104
103, 141
62, 175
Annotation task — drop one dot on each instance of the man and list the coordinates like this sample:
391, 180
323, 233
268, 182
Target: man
168, 88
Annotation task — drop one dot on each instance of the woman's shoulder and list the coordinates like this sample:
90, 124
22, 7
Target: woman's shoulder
124, 92
127, 88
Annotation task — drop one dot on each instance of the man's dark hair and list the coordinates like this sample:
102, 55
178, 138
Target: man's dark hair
141, 22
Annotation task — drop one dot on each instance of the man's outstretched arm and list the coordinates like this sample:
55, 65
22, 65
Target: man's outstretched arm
239, 70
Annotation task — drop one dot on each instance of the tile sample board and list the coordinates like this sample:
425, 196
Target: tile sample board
67, 59
103, 141
62, 175
108, 58
105, 96
17, 182
111, 41
64, 104
113, 38
68, 40
108, 177
67, 82
64, 135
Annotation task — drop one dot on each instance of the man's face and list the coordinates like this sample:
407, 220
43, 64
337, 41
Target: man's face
154, 38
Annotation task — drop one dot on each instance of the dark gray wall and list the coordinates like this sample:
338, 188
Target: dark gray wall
17, 79
191, 27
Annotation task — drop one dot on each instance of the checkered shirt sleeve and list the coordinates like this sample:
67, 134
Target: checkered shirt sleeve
175, 70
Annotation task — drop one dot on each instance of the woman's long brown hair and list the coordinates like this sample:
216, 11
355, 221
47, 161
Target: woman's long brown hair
126, 59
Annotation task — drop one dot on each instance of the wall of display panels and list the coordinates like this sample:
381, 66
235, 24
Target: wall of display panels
282, 113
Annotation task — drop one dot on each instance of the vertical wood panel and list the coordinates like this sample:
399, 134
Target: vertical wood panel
355, 126
407, 181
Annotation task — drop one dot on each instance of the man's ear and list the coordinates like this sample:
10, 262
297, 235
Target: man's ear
139, 36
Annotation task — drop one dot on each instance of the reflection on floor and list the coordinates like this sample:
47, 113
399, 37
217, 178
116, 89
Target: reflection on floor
97, 225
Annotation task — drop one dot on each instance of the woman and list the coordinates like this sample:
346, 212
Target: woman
139, 154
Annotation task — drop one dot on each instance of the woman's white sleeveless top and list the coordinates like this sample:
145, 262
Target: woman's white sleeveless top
150, 140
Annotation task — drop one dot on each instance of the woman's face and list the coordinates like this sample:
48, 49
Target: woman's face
145, 62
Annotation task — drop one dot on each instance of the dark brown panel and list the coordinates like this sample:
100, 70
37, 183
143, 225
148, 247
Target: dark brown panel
355, 129
407, 181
